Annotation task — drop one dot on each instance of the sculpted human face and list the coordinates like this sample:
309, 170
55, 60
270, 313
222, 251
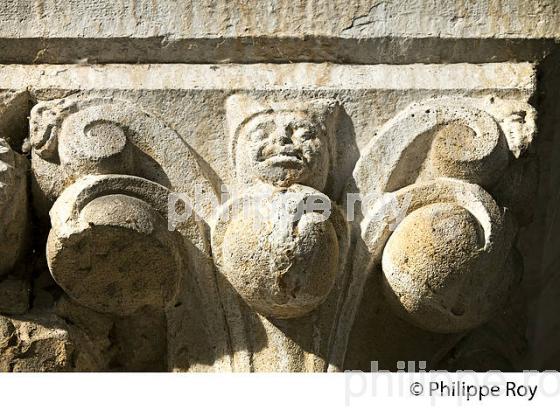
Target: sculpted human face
283, 148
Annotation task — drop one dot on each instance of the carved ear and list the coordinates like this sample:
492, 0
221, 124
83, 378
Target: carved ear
325, 112
517, 120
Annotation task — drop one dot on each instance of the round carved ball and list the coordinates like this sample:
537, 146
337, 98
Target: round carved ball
121, 260
281, 268
433, 270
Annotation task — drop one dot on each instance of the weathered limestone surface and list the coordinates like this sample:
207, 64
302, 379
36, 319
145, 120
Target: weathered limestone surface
398, 31
310, 196
44, 343
203, 19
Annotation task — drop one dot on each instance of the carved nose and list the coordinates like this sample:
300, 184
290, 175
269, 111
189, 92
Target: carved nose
283, 136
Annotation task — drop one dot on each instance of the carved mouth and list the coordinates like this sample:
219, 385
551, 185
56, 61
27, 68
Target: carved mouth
285, 157
285, 160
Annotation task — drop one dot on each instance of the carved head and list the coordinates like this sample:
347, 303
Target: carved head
282, 143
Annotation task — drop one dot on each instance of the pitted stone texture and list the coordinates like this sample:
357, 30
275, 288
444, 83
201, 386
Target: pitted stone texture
44, 343
446, 137
282, 262
14, 109
432, 265
75, 137
223, 18
131, 343
14, 295
459, 152
436, 156
444, 263
433, 245
282, 143
110, 248
278, 251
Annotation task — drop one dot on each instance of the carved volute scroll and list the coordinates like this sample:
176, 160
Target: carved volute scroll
106, 170
428, 219
82, 136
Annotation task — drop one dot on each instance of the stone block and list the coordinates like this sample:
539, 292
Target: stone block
210, 31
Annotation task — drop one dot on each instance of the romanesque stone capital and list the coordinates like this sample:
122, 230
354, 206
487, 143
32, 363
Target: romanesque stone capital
278, 217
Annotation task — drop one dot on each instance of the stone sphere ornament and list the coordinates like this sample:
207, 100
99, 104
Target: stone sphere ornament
431, 261
110, 248
282, 262
445, 264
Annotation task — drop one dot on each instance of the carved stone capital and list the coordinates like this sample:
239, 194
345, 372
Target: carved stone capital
288, 217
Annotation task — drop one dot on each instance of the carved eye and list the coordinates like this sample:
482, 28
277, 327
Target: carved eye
304, 132
518, 116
